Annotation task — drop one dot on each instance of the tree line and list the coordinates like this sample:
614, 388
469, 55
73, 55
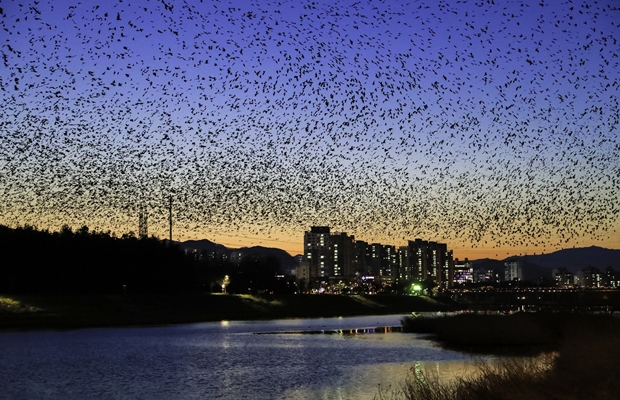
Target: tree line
36, 261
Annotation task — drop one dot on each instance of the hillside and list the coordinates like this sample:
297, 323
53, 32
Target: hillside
203, 245
534, 266
287, 261
576, 259
531, 271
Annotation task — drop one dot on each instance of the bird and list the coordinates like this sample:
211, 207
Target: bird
473, 123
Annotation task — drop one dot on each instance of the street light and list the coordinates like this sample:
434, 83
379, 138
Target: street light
225, 283
416, 289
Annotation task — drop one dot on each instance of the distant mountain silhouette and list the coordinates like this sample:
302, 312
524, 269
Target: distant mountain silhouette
531, 271
287, 261
577, 259
534, 266
204, 245
574, 260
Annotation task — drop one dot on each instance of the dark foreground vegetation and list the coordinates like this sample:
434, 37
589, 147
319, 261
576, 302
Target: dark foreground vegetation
584, 363
90, 262
73, 279
19, 312
492, 332
81, 262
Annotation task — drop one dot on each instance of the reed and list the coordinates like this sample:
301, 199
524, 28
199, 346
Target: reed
586, 364
490, 330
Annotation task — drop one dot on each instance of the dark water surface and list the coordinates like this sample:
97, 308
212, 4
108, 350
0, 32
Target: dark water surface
221, 360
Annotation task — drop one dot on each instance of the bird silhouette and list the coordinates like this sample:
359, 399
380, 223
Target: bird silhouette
478, 124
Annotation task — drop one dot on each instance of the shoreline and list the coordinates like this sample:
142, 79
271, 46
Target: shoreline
44, 312
548, 356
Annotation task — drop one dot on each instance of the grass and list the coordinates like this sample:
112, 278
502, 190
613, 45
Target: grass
585, 364
23, 312
15, 306
480, 332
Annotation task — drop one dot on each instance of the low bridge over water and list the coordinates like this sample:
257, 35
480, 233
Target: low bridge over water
549, 299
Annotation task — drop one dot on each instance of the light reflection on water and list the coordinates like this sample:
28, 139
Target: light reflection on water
224, 360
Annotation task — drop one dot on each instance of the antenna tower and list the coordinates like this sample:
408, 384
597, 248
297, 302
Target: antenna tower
170, 218
143, 227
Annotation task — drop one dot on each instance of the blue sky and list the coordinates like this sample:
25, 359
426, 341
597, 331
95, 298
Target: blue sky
491, 127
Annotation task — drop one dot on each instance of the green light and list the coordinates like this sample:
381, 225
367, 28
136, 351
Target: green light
416, 288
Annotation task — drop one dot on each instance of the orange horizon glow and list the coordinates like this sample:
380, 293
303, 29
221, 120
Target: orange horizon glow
500, 143
461, 251
292, 243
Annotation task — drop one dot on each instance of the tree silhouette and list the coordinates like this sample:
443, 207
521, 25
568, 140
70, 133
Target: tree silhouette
91, 262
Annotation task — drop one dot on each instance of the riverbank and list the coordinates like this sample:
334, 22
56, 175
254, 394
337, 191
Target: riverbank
495, 333
69, 312
584, 362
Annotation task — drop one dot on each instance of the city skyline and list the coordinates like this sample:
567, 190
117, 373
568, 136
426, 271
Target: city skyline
490, 127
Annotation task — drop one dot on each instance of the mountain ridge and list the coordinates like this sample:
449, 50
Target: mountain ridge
573, 259
287, 261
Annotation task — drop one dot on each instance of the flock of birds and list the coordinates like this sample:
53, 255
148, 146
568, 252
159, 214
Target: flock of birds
490, 124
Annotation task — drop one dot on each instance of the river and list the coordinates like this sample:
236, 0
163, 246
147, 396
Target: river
221, 360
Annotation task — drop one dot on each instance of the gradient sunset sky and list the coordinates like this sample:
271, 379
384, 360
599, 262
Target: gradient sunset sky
491, 126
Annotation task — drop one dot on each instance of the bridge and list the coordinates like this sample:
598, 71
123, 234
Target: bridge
539, 299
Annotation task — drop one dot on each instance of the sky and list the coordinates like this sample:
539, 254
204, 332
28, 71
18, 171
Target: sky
489, 126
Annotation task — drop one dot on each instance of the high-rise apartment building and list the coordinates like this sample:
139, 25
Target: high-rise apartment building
404, 271
563, 277
513, 271
376, 257
389, 264
446, 262
428, 261
337, 255
463, 271
317, 252
362, 258
342, 254
590, 277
